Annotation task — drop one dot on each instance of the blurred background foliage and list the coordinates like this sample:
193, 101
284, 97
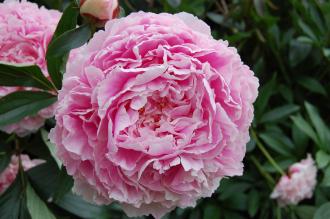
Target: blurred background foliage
287, 44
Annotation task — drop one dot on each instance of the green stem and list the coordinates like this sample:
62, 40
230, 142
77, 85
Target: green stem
266, 154
261, 170
278, 213
20, 165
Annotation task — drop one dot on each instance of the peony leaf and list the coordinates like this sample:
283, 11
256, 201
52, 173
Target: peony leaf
79, 207
4, 160
266, 92
23, 75
277, 143
259, 6
253, 203
305, 211
51, 146
312, 85
323, 212
211, 212
56, 65
304, 126
215, 17
13, 201
17, 105
59, 49
279, 113
64, 184
5, 155
37, 208
69, 40
326, 178
298, 52
44, 178
322, 159
174, 3
322, 130
54, 4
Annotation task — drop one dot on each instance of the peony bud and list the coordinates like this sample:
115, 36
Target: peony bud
99, 10
298, 184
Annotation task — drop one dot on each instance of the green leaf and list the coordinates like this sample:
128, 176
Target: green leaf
37, 208
265, 93
215, 17
227, 188
44, 180
232, 215
305, 127
323, 212
250, 145
69, 40
59, 48
279, 113
13, 201
259, 6
322, 159
79, 207
51, 146
326, 178
5, 154
312, 85
320, 195
322, 130
211, 212
68, 20
18, 105
4, 160
237, 201
174, 3
307, 30
23, 75
64, 185
305, 211
284, 164
300, 139
253, 203
276, 143
298, 52
56, 65
326, 52
53, 4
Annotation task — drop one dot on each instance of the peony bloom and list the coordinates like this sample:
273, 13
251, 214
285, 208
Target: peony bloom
153, 113
25, 31
7, 177
99, 10
299, 184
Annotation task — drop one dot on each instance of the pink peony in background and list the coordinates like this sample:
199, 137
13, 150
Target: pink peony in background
153, 113
299, 184
25, 31
8, 176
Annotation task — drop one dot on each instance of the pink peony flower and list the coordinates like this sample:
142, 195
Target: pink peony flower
8, 176
299, 184
100, 10
153, 113
25, 31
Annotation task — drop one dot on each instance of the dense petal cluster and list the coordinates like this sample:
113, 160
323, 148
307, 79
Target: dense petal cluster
25, 31
8, 176
153, 113
298, 184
